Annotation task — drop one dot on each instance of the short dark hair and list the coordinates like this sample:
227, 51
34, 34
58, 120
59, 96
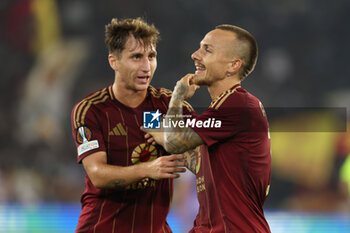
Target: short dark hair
249, 56
118, 31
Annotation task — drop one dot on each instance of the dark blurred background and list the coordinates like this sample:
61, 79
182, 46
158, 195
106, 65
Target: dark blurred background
53, 54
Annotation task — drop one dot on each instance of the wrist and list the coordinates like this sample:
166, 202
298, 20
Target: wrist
180, 91
138, 170
142, 170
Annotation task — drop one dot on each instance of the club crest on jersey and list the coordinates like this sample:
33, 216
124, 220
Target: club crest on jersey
143, 153
151, 120
83, 135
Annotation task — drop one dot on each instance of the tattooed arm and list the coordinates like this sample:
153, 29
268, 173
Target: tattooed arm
178, 140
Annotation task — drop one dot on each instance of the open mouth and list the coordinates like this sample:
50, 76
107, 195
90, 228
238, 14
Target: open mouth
143, 79
199, 68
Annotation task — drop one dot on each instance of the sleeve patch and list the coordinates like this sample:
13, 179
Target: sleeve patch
83, 135
87, 146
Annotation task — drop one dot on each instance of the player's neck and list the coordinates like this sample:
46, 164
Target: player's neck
218, 87
128, 97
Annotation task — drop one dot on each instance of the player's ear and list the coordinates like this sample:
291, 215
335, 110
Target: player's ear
112, 59
234, 65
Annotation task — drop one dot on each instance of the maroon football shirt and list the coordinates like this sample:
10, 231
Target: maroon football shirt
102, 123
234, 167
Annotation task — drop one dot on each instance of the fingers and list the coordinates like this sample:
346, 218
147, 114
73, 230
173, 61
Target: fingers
185, 80
191, 80
151, 141
176, 157
188, 79
171, 170
192, 83
167, 161
166, 166
149, 138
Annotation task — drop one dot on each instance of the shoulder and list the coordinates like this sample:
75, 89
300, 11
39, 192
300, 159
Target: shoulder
165, 95
234, 97
94, 98
89, 102
159, 92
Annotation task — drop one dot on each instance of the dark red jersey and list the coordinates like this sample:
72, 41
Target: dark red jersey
234, 167
101, 123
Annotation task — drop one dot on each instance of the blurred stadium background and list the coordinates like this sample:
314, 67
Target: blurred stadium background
52, 55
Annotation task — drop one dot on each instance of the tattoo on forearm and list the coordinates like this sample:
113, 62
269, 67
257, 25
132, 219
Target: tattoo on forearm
179, 140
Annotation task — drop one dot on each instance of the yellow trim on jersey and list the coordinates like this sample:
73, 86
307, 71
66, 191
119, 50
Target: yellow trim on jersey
88, 106
126, 138
217, 99
162, 91
110, 90
188, 106
79, 105
168, 93
100, 215
221, 99
78, 121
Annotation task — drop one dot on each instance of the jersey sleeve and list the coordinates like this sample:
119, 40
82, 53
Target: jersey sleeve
86, 131
221, 121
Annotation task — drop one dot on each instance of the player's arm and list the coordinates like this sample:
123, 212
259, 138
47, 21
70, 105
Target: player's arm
176, 139
103, 175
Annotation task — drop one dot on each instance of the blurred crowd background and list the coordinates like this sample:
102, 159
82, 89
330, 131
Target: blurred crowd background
53, 54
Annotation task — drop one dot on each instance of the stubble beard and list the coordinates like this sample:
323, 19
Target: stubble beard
201, 81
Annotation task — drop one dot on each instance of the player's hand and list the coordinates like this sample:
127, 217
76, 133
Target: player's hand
154, 136
186, 87
168, 166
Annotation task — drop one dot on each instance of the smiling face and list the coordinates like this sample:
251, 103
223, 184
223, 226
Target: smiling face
135, 65
214, 58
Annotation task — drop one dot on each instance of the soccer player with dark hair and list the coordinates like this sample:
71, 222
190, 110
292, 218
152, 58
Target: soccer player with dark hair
128, 183
233, 169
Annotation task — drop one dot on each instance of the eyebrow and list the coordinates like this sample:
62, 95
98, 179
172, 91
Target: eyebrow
153, 52
136, 53
206, 45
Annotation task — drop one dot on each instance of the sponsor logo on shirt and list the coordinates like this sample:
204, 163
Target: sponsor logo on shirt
118, 130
